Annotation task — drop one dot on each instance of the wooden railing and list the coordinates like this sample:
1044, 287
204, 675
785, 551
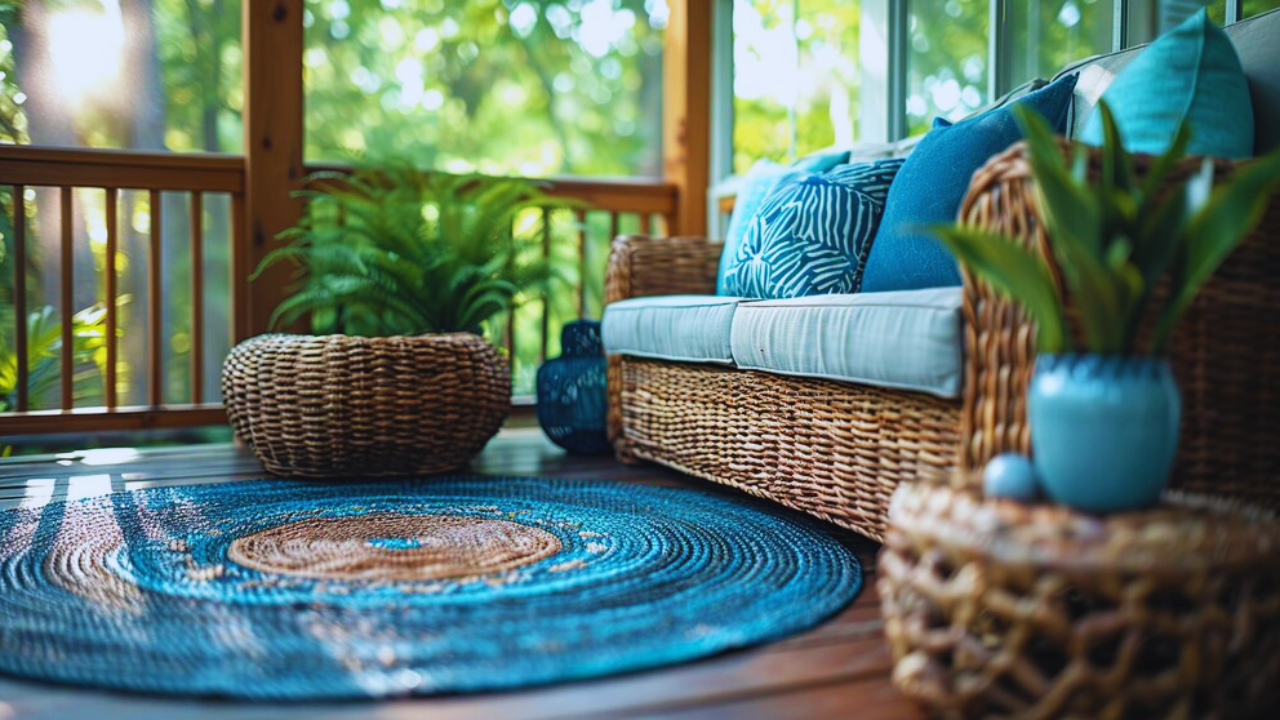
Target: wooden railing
616, 206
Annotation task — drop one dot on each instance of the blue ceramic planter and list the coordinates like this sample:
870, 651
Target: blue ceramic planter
573, 400
1104, 430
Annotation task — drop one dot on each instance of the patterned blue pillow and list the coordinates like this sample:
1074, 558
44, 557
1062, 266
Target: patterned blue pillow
812, 234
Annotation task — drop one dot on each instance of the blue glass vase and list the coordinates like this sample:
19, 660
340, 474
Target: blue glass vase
1104, 430
573, 401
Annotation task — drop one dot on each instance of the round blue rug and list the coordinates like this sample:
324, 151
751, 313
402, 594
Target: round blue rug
284, 590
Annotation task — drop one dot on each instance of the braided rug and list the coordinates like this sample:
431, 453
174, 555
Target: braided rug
282, 590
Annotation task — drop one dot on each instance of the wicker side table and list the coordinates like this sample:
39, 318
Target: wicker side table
996, 609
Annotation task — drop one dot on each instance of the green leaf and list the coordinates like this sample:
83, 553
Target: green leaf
1069, 209
1014, 271
1225, 219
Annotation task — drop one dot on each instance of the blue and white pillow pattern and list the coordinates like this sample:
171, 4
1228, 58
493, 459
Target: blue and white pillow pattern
812, 234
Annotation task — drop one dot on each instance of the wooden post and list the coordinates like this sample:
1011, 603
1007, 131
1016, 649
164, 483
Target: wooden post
272, 38
686, 112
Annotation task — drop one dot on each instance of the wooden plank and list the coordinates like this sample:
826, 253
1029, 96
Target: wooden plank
67, 288
686, 111
20, 292
100, 419
197, 298
546, 301
273, 141
868, 699
617, 194
78, 167
241, 323
580, 217
155, 303
34, 172
113, 320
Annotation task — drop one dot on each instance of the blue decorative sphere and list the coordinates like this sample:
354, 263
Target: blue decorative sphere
573, 399
1011, 476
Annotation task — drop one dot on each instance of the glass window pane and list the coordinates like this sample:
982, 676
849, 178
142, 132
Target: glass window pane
528, 87
1048, 35
946, 61
1177, 12
158, 75
796, 79
1257, 7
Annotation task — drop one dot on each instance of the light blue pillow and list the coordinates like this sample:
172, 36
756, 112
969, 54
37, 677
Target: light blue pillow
933, 183
811, 235
756, 186
1193, 73
822, 160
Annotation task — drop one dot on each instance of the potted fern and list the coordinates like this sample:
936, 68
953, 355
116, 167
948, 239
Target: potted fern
399, 274
1104, 415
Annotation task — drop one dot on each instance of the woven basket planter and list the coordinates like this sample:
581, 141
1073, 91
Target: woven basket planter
339, 406
995, 609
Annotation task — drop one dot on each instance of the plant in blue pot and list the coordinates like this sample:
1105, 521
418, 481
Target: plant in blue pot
1130, 250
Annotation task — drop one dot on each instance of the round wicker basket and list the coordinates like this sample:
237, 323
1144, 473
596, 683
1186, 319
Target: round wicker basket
340, 406
995, 609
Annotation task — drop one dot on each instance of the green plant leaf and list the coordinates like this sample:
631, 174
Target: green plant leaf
1070, 209
1014, 271
1224, 220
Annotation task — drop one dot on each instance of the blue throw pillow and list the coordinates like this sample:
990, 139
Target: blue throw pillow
756, 186
1192, 73
811, 235
933, 183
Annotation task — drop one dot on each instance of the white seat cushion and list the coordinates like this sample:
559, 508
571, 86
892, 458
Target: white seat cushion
906, 339
687, 328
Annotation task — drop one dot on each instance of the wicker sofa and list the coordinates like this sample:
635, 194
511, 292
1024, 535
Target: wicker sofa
839, 449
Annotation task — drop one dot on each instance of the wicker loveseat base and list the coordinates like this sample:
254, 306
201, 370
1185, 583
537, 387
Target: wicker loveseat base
834, 450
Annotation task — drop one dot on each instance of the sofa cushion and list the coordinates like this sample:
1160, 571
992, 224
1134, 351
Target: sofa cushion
932, 183
763, 177
812, 234
908, 339
687, 328
1190, 74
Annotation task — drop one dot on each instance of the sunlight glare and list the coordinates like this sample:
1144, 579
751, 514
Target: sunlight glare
86, 49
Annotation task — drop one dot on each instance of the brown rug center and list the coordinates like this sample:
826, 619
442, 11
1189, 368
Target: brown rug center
394, 547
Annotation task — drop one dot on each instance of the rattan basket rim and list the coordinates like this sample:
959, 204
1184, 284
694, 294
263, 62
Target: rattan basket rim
1186, 535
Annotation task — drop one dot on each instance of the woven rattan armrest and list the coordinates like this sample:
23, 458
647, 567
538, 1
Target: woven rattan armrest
1225, 352
640, 266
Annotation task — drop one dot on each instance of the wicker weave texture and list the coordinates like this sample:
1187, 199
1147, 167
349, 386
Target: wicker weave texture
339, 406
1225, 353
834, 450
995, 609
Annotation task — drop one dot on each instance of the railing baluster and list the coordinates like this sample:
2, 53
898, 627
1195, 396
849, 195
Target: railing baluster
581, 217
613, 226
239, 264
20, 290
155, 373
646, 224
113, 241
197, 298
546, 297
67, 288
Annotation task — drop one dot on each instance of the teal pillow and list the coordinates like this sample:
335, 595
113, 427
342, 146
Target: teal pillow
932, 184
759, 181
1190, 73
811, 235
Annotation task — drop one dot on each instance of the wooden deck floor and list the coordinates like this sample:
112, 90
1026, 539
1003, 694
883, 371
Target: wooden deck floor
838, 670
